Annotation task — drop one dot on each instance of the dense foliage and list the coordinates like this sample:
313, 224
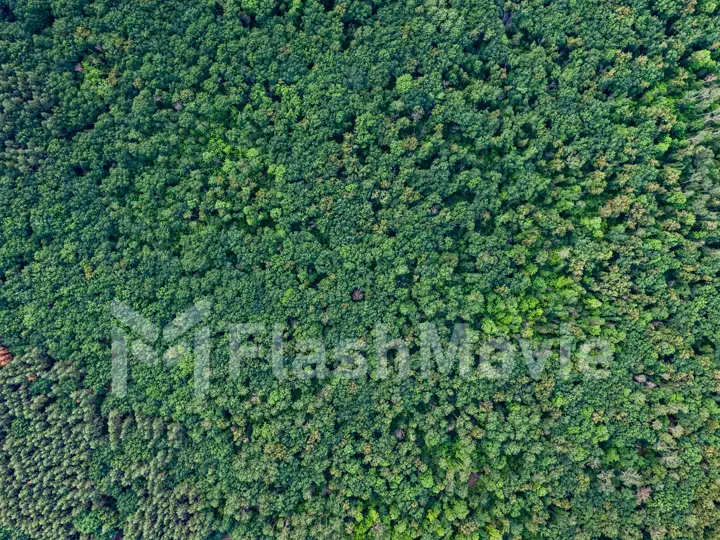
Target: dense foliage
543, 170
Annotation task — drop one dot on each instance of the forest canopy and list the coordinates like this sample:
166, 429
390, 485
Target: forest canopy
541, 174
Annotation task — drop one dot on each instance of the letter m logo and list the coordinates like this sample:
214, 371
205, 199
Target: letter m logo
134, 336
